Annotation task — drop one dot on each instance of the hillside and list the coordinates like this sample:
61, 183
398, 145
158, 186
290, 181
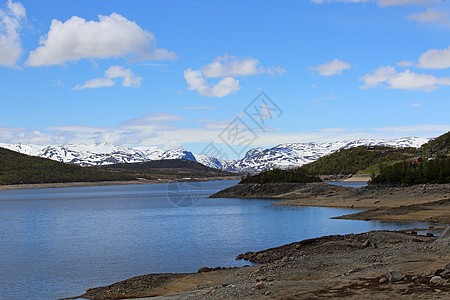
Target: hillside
432, 171
17, 168
168, 169
361, 159
280, 176
437, 146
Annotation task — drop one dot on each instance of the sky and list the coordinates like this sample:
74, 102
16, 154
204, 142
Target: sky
222, 76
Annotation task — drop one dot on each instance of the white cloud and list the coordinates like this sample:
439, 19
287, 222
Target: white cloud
344, 1
334, 67
382, 3
435, 59
388, 77
405, 63
414, 104
197, 82
199, 107
328, 98
226, 68
129, 79
10, 24
111, 36
158, 129
430, 15
415, 128
231, 66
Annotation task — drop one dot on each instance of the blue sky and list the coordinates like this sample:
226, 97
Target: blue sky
179, 72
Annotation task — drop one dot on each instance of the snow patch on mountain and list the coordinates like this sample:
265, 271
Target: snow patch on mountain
284, 156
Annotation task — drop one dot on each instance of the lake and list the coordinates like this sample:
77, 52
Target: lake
59, 242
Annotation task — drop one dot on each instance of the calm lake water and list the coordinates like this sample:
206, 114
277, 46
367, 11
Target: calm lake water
59, 242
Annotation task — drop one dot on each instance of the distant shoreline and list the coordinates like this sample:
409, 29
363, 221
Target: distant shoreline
105, 183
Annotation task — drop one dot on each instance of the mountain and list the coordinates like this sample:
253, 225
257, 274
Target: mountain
437, 146
287, 156
284, 156
168, 169
361, 159
99, 154
17, 168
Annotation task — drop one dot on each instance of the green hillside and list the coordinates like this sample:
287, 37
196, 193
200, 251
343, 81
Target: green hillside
363, 159
280, 176
437, 146
406, 172
168, 169
16, 168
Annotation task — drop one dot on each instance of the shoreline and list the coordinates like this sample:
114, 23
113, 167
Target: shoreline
107, 183
421, 203
351, 266
370, 265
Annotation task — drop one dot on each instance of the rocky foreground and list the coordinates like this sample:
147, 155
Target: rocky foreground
372, 265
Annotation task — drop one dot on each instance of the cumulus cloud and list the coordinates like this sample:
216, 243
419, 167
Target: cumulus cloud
435, 59
388, 77
10, 24
430, 15
197, 82
334, 67
111, 36
129, 79
226, 68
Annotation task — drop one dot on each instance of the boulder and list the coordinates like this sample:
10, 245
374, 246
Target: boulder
204, 270
382, 280
438, 280
394, 276
445, 272
444, 237
369, 243
259, 285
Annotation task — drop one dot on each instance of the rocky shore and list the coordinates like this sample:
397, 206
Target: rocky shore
372, 265
424, 202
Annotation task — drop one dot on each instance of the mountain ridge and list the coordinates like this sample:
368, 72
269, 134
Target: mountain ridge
283, 156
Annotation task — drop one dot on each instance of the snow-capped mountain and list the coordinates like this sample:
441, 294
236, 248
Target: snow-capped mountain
283, 156
286, 156
99, 154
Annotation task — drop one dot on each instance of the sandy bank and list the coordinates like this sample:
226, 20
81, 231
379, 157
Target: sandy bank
106, 183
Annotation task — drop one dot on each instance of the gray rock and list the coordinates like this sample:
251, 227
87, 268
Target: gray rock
369, 243
394, 276
259, 285
444, 237
204, 269
438, 280
445, 273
